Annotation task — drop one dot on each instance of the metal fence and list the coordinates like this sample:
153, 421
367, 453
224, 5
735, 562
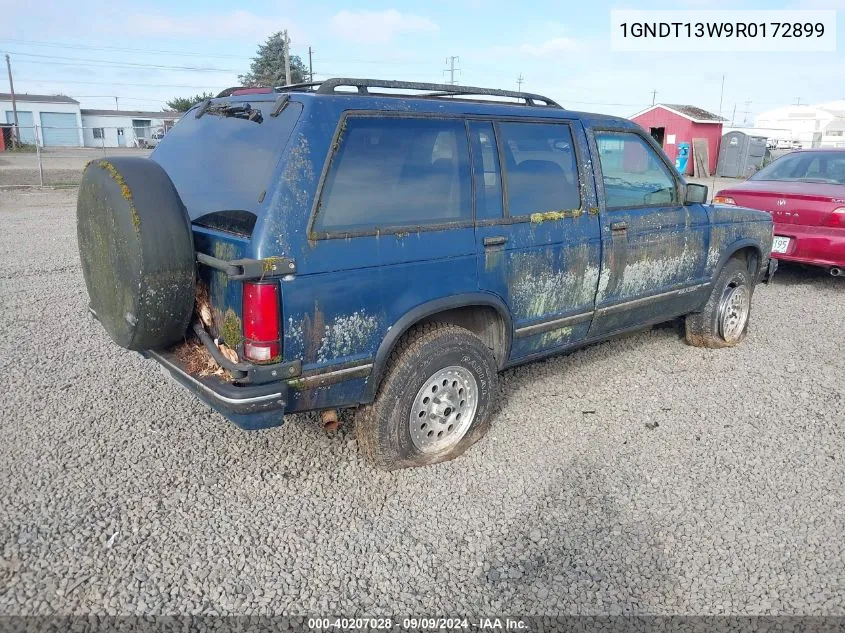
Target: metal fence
39, 156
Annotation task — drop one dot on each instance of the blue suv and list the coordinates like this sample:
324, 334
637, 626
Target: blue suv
391, 246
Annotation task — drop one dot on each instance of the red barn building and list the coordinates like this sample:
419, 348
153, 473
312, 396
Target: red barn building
670, 124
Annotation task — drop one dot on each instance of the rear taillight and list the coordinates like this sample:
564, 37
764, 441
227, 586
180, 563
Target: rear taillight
837, 218
723, 200
261, 321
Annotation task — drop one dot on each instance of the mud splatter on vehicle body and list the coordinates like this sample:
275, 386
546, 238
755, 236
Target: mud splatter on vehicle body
540, 285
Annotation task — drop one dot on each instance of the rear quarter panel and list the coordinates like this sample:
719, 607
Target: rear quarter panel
348, 291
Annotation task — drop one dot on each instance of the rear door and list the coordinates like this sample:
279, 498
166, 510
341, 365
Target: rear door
538, 242
653, 247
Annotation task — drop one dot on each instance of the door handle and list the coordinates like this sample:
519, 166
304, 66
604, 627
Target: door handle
495, 241
618, 226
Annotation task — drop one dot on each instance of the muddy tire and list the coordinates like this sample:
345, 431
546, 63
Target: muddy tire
137, 252
723, 322
435, 401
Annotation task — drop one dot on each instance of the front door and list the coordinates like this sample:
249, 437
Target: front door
538, 241
653, 247
121, 138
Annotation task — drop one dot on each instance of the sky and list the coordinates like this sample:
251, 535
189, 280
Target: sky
146, 53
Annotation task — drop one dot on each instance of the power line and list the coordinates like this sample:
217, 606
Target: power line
121, 48
145, 100
41, 80
86, 60
382, 62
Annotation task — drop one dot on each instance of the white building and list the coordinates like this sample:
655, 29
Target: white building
51, 119
123, 128
821, 125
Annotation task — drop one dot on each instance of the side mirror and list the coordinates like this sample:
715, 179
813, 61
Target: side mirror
695, 194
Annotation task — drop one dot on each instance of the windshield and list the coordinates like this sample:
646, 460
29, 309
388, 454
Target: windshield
222, 161
823, 167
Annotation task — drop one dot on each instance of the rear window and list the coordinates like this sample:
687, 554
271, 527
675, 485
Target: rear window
223, 163
821, 167
396, 172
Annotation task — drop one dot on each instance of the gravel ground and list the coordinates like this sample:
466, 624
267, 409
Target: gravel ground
636, 476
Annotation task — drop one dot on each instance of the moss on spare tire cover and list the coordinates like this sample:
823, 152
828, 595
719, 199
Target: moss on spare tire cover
137, 252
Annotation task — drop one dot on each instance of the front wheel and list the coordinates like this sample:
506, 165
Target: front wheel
434, 402
723, 322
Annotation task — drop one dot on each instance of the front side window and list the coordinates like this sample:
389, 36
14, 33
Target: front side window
396, 172
633, 174
540, 169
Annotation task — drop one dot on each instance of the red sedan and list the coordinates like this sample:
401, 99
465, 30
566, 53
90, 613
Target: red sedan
805, 193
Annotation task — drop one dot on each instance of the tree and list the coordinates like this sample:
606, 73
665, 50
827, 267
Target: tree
183, 104
268, 66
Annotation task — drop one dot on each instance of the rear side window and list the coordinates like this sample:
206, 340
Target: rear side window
396, 172
540, 169
488, 183
633, 174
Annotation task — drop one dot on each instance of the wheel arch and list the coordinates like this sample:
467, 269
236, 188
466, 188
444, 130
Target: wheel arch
747, 249
481, 313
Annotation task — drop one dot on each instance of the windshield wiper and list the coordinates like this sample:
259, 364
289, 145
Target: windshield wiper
243, 111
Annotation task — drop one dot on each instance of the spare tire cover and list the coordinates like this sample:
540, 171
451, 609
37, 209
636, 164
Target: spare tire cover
137, 251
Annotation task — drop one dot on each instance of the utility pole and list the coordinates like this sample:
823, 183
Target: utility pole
14, 102
310, 67
451, 70
797, 99
721, 94
287, 58
116, 105
519, 81
733, 114
653, 96
746, 112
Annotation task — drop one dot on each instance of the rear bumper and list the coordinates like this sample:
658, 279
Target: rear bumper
816, 245
249, 406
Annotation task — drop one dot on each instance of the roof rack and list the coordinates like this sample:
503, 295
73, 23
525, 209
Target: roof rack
330, 86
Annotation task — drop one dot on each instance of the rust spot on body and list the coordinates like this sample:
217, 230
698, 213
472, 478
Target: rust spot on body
313, 331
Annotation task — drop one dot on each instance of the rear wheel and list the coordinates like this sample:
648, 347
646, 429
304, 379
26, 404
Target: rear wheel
434, 402
723, 322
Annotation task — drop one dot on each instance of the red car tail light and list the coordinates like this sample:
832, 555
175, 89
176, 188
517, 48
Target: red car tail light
261, 321
723, 200
837, 218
